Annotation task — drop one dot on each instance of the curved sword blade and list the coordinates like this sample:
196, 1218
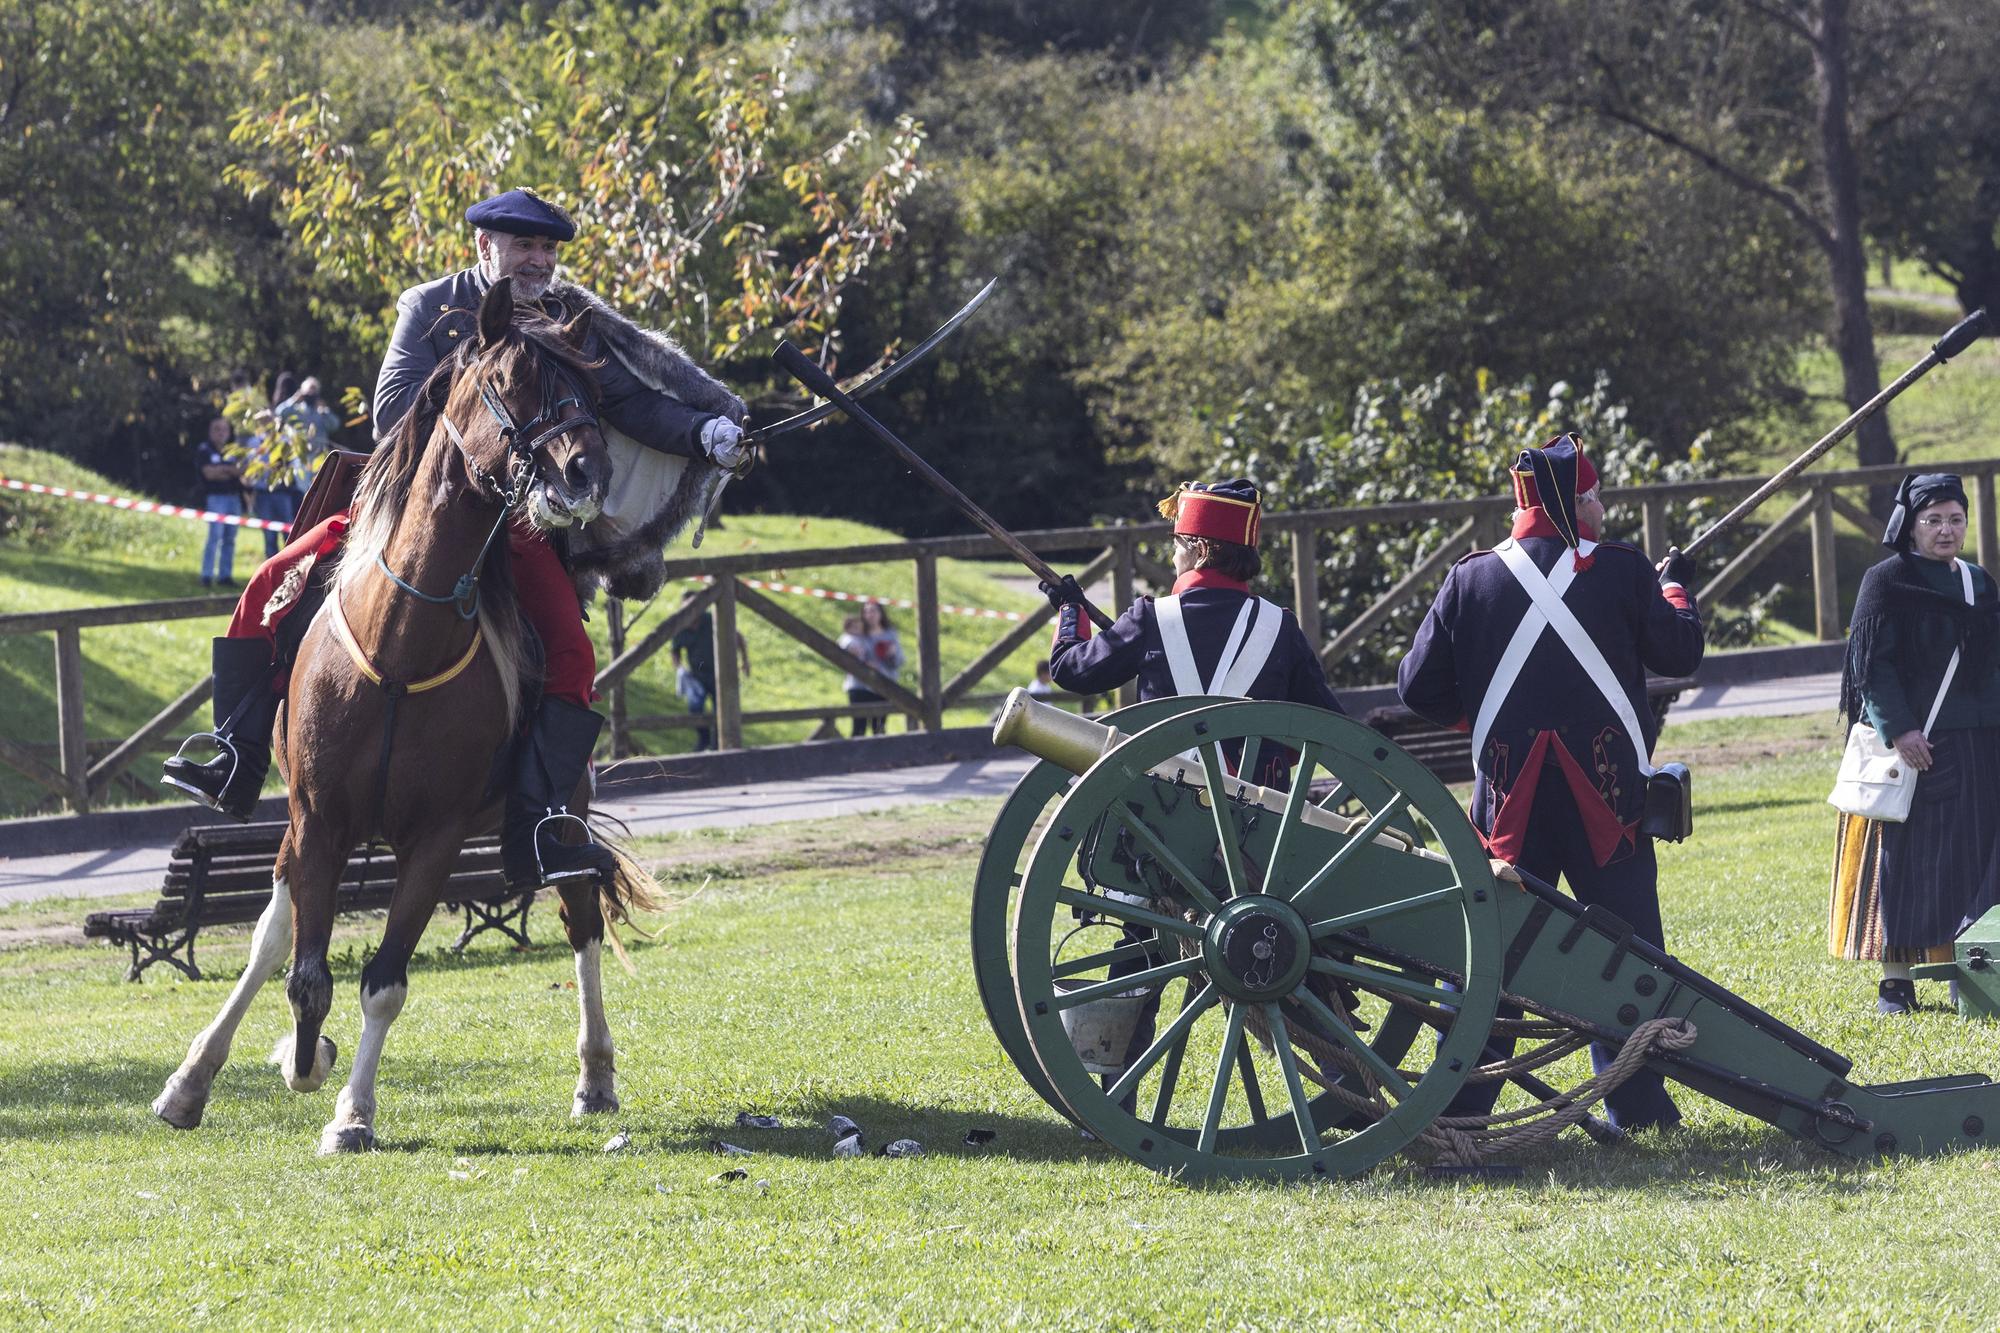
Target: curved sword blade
821, 411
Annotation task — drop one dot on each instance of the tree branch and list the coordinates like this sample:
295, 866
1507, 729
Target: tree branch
1800, 211
1784, 18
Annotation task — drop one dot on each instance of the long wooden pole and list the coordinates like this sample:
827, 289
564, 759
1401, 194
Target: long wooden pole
801, 368
1961, 336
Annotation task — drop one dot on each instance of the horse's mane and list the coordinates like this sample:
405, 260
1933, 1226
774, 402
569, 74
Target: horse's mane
384, 493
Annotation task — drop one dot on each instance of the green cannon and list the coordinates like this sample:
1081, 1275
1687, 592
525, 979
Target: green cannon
1328, 962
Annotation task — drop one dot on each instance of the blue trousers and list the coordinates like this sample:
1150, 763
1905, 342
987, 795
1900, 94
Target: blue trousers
218, 557
275, 506
1557, 850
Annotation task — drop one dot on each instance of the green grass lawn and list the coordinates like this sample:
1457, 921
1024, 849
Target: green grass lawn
815, 969
58, 554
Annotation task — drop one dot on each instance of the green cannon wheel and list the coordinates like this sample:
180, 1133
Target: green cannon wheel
1290, 934
999, 874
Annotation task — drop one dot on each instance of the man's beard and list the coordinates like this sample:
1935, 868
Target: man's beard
528, 288
525, 287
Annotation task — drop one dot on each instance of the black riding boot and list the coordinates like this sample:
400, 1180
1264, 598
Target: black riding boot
552, 762
245, 709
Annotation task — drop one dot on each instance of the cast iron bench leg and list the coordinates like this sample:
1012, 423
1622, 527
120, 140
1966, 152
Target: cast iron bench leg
509, 917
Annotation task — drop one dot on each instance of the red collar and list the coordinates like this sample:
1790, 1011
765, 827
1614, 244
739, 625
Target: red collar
1208, 578
1535, 522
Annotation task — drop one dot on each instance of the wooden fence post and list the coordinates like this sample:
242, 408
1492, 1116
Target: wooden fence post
929, 673
1305, 580
69, 717
1826, 569
1989, 521
1653, 527
728, 686
621, 736
1125, 586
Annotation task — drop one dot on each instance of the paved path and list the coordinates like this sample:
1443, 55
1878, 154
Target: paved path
138, 869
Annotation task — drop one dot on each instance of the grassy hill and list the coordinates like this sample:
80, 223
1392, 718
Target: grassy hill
58, 553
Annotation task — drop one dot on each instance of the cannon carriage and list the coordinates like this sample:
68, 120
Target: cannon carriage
1329, 962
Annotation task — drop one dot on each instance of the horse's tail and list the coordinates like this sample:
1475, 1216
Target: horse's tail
629, 890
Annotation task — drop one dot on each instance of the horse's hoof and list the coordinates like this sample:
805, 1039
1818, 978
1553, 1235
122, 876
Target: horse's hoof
337, 1138
593, 1103
179, 1104
324, 1054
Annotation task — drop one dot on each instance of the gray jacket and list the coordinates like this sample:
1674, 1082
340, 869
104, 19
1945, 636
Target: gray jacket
433, 319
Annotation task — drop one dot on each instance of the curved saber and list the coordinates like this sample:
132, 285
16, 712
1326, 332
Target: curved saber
821, 411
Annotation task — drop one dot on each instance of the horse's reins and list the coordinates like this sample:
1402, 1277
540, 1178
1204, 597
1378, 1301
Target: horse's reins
464, 596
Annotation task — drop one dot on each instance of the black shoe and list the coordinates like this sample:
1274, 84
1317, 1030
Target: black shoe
245, 709
552, 762
1896, 995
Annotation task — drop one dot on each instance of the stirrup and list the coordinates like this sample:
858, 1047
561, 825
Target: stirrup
221, 743
559, 814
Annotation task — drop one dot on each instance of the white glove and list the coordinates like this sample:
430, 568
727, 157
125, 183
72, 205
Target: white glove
724, 443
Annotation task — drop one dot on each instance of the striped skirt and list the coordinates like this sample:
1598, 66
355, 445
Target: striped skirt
1902, 892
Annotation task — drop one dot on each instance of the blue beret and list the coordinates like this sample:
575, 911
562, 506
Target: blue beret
521, 213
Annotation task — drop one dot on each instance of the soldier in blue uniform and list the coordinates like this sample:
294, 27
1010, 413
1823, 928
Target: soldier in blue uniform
1554, 694
1210, 636
1178, 644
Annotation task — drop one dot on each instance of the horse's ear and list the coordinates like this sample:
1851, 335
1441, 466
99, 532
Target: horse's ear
577, 332
496, 312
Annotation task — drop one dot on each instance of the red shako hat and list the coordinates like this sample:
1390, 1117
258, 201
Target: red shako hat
1222, 511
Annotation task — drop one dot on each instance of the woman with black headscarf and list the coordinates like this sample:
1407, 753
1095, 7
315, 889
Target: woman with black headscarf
1901, 892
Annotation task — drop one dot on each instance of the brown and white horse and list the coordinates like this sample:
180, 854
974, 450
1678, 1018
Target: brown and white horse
402, 699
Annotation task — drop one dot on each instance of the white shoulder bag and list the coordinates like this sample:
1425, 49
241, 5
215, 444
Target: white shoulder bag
1874, 781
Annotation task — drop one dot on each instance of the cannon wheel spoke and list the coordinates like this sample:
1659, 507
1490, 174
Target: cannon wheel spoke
1131, 913
1306, 899
1281, 1038
1162, 974
1225, 832
1348, 920
1173, 1040
1218, 1091
1388, 1075
1295, 802
1183, 875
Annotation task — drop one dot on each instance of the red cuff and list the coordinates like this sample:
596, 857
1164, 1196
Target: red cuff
1680, 597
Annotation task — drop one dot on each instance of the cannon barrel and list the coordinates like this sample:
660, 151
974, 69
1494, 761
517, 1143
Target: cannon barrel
1075, 743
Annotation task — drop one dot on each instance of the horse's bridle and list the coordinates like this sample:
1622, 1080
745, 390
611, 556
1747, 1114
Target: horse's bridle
522, 440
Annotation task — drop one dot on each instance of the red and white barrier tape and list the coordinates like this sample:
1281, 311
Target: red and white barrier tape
145, 506
904, 603
236, 520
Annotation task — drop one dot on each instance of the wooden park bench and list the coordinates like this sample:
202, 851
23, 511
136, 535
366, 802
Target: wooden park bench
221, 875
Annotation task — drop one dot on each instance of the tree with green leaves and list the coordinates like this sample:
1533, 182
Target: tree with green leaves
109, 151
711, 207
1773, 98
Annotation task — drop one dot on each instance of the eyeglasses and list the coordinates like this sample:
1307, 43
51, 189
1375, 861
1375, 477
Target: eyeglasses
1956, 521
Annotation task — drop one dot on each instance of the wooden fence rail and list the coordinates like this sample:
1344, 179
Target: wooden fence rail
77, 782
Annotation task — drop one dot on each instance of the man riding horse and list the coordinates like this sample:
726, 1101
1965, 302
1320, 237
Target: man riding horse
648, 393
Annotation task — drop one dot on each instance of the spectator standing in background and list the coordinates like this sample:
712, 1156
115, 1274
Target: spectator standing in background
879, 646
221, 491
694, 670
1043, 685
316, 423
854, 638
